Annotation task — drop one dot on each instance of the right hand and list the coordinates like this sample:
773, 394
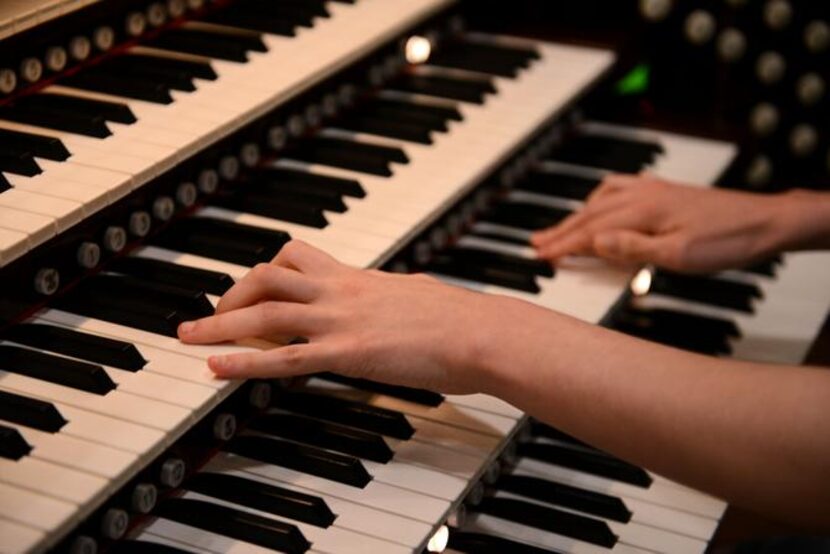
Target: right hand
642, 219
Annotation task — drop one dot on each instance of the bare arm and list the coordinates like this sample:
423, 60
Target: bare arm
641, 219
756, 435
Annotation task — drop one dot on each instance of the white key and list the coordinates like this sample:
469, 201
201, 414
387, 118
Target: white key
19, 538
65, 213
52, 480
37, 228
33, 509
13, 244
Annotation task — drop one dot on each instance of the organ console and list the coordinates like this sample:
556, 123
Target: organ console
151, 152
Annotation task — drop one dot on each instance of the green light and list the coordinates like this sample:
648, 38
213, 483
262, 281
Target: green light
636, 82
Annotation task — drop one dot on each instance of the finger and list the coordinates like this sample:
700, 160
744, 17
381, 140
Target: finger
303, 257
567, 225
268, 282
612, 184
605, 209
576, 243
260, 320
632, 247
285, 361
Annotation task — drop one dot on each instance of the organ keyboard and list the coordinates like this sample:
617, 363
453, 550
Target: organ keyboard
139, 180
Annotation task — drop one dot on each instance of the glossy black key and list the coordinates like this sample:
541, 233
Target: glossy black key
110, 111
19, 163
347, 154
30, 412
593, 462
223, 240
58, 120
101, 350
4, 184
433, 114
531, 217
501, 237
326, 199
702, 334
480, 543
556, 184
148, 547
171, 79
40, 146
708, 290
12, 445
254, 22
766, 269
377, 125
279, 179
588, 502
621, 155
418, 396
467, 90
501, 277
55, 369
289, 207
222, 46
495, 59
299, 10
552, 520
539, 429
168, 273
322, 434
303, 458
347, 412
191, 68
118, 85
267, 498
153, 319
252, 528
193, 304
499, 260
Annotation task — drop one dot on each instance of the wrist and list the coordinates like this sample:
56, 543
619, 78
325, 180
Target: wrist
803, 221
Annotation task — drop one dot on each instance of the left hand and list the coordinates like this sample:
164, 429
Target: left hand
403, 329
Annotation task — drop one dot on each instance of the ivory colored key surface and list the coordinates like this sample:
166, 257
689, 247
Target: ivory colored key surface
18, 538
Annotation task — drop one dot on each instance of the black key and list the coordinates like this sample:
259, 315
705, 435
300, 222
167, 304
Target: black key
488, 258
289, 179
347, 412
191, 303
110, 111
118, 85
153, 319
539, 429
433, 114
531, 217
558, 184
223, 240
284, 208
40, 146
55, 369
68, 342
4, 184
386, 128
708, 290
252, 528
593, 462
267, 498
766, 269
171, 79
147, 547
325, 199
497, 276
552, 520
418, 396
496, 59
356, 156
501, 237
254, 22
703, 334
326, 435
305, 459
30, 412
59, 120
621, 155
296, 10
158, 271
191, 68
480, 543
19, 163
12, 445
567, 496
211, 45
465, 90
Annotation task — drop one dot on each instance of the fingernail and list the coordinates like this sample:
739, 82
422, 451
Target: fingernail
220, 364
187, 327
606, 243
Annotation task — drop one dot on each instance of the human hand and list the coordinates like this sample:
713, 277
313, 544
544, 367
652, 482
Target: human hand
403, 329
642, 219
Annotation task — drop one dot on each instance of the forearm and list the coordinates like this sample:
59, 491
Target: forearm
805, 221
756, 435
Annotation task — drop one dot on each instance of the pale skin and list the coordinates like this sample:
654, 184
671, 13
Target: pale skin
757, 435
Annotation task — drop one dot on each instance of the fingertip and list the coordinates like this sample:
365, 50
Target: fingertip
223, 366
186, 330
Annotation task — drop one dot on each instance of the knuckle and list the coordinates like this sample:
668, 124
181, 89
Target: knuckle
292, 355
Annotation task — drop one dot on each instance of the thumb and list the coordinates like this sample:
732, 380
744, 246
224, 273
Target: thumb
629, 246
